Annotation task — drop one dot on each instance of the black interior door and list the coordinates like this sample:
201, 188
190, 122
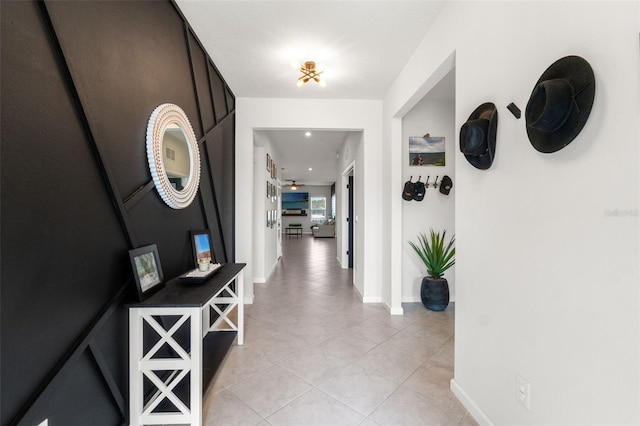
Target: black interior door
350, 221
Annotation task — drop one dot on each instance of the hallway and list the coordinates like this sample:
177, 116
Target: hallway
314, 354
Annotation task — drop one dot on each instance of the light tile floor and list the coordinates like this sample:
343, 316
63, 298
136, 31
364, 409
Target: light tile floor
315, 355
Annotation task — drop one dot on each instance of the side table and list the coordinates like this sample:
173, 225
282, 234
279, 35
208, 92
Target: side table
166, 334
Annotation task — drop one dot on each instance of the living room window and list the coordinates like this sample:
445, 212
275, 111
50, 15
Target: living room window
318, 209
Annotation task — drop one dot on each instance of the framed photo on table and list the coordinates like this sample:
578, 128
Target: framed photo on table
147, 270
201, 244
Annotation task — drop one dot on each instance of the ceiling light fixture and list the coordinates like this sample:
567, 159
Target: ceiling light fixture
307, 134
295, 186
309, 72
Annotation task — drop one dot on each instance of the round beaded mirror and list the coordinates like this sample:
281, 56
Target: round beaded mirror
173, 155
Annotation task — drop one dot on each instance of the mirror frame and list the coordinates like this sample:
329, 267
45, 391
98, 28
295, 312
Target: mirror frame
161, 117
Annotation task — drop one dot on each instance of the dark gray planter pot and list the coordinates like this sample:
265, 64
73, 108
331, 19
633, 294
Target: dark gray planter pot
434, 293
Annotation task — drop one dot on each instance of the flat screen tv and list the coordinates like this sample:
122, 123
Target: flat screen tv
295, 200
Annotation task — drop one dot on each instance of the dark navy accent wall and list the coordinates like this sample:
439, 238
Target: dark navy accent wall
79, 81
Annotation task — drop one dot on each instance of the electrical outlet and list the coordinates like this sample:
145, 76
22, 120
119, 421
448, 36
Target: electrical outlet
523, 392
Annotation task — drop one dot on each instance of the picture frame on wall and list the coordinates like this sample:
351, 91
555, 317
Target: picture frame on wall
147, 270
426, 151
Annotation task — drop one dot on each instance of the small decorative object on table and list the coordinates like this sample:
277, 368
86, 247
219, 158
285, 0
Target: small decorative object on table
201, 243
434, 290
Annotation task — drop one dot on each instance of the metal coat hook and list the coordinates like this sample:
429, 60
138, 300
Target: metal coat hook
427, 184
435, 184
419, 177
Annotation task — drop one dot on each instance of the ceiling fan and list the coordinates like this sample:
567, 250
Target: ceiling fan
295, 185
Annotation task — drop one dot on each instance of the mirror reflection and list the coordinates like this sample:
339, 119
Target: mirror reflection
177, 156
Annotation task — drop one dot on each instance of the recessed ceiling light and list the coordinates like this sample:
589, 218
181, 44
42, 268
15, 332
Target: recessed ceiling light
307, 134
310, 169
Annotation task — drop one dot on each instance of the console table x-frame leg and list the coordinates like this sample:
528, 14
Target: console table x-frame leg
164, 374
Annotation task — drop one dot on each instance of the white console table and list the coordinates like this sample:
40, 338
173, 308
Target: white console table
167, 336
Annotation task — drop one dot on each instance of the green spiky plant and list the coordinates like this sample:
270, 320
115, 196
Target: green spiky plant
432, 251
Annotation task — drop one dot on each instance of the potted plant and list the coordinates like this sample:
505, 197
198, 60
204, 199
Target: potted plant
437, 257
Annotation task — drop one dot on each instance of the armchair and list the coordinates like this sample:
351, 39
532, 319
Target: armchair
325, 230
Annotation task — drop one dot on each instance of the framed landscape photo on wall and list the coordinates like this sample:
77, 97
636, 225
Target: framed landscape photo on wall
147, 271
426, 151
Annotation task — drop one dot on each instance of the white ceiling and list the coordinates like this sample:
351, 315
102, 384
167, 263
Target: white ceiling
362, 45
296, 153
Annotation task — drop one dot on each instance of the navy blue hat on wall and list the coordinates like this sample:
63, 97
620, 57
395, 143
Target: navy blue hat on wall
560, 104
478, 136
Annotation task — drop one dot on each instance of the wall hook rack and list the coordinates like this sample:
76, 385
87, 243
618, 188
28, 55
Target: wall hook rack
435, 184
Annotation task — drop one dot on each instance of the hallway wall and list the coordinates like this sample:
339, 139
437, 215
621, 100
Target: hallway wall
79, 83
436, 210
547, 266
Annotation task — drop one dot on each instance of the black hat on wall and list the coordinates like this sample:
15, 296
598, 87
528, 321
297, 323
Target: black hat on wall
478, 136
560, 104
445, 185
408, 191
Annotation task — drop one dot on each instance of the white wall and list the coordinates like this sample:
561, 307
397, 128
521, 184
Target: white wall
259, 273
265, 238
436, 210
547, 271
359, 115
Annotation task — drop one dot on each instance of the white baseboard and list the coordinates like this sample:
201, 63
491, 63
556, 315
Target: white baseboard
372, 300
396, 311
259, 280
249, 300
471, 406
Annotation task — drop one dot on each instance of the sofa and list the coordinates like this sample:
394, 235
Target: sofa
325, 230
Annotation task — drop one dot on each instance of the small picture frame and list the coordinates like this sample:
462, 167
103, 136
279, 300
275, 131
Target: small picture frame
426, 151
201, 244
147, 270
